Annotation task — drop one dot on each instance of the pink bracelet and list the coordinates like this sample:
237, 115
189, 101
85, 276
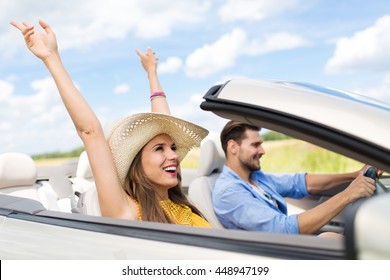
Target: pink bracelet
157, 94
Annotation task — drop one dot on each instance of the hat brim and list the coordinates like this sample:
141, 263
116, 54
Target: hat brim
131, 134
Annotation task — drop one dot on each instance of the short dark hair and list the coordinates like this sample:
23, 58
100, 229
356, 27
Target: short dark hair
234, 130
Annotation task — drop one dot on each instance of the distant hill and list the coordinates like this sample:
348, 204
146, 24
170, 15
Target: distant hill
273, 136
292, 155
282, 154
53, 155
269, 136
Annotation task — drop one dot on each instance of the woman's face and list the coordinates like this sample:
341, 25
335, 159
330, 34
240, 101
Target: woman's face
160, 161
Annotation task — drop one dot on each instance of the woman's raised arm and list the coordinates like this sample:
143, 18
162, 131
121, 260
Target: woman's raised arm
158, 101
112, 198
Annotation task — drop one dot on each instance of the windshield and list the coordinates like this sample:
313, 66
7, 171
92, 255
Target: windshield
344, 94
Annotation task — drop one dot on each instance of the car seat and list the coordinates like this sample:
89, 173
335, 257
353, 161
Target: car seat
18, 177
88, 203
85, 194
84, 177
211, 162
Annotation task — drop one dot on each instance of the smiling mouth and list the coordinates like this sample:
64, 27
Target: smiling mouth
170, 169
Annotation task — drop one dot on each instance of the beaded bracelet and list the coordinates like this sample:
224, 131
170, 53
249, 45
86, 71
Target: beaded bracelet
157, 94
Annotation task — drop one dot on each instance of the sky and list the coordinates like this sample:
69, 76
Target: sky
199, 43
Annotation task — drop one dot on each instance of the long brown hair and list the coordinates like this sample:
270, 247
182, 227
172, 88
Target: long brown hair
139, 187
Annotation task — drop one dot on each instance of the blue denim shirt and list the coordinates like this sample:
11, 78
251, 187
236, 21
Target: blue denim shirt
240, 206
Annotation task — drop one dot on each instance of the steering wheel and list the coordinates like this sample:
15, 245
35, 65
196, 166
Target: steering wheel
379, 187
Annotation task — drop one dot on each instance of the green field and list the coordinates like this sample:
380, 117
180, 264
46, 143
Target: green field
298, 156
293, 156
289, 155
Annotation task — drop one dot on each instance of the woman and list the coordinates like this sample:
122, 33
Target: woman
136, 169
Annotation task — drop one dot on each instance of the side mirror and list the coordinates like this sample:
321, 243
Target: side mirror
367, 228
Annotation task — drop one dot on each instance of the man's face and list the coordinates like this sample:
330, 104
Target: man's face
250, 151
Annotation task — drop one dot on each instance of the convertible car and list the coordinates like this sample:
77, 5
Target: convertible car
53, 212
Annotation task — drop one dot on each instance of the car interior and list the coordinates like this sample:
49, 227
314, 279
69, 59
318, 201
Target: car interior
72, 191
199, 192
66, 195
19, 177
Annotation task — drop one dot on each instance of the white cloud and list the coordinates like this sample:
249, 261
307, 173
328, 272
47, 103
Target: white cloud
226, 78
80, 24
276, 42
6, 90
234, 10
187, 110
380, 92
192, 112
35, 122
365, 50
223, 53
171, 65
122, 89
158, 17
219, 55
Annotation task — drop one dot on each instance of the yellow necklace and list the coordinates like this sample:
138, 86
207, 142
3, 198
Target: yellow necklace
138, 210
178, 213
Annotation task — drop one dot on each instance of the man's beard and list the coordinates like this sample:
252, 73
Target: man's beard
250, 165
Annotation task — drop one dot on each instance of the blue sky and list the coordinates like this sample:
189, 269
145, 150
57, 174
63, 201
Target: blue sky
339, 44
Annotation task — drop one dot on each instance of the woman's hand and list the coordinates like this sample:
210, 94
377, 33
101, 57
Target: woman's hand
149, 63
148, 60
40, 44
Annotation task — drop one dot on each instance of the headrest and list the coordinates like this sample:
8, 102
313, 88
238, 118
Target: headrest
211, 157
83, 168
17, 169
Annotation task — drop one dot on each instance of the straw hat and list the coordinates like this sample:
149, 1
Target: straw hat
132, 133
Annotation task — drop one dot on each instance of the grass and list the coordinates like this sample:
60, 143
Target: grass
281, 156
293, 156
52, 161
298, 156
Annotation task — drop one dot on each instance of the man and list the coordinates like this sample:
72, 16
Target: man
246, 198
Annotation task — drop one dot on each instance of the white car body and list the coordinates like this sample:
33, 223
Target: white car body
342, 122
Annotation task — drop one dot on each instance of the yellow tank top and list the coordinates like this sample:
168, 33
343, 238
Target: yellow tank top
180, 214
